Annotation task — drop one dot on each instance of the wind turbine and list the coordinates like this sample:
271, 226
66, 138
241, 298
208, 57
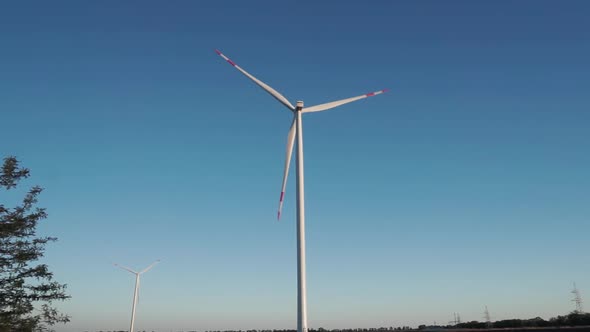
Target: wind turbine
135, 293
296, 132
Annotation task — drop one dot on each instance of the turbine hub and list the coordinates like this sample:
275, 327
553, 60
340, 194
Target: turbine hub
299, 104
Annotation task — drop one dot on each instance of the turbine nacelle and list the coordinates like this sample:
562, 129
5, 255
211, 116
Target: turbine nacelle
299, 105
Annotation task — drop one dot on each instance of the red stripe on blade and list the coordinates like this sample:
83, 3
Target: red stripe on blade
282, 194
231, 62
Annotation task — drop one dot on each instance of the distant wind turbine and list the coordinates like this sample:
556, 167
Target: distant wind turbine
296, 131
136, 292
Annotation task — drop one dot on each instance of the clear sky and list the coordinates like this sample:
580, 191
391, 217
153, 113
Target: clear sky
466, 185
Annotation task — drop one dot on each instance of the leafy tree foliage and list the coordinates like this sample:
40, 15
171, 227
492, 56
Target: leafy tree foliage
27, 289
572, 319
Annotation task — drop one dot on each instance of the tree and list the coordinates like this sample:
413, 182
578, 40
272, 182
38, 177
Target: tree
27, 288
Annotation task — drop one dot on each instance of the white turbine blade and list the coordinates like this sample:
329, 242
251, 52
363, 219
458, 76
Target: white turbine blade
125, 268
290, 142
267, 88
150, 267
327, 106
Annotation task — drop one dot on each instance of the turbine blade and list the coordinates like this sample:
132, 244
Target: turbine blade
327, 106
267, 88
290, 142
150, 267
125, 268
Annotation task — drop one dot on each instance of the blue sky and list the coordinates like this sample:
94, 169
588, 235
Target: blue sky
466, 185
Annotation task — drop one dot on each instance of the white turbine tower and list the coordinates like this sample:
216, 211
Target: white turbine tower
136, 292
296, 131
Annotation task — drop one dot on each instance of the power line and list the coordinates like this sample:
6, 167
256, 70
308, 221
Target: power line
577, 299
486, 315
456, 319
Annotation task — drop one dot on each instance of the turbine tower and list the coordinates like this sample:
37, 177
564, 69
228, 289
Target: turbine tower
136, 292
296, 133
577, 299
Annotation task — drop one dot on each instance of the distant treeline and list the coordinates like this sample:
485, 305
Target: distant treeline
571, 320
